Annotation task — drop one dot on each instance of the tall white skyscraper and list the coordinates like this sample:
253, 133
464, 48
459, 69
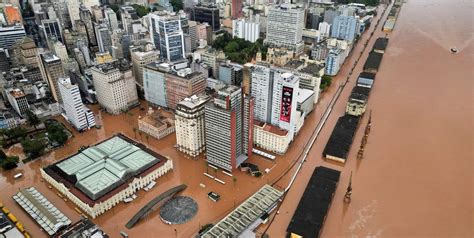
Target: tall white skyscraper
261, 85
77, 114
284, 102
285, 25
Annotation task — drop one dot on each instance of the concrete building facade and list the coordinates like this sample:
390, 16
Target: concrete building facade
190, 124
76, 113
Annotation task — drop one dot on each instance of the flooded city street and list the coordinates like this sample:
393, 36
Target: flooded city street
416, 178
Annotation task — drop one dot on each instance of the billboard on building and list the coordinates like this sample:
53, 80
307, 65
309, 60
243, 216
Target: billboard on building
286, 98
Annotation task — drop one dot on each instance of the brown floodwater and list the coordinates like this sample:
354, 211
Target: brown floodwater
416, 178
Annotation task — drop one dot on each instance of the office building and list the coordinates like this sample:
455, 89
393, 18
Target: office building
73, 10
324, 29
166, 33
190, 124
59, 49
208, 14
141, 58
245, 30
284, 101
345, 28
90, 3
10, 34
231, 73
229, 128
212, 58
86, 17
182, 84
17, 100
101, 176
51, 70
154, 82
52, 30
25, 53
77, 114
104, 38
285, 25
111, 18
115, 87
334, 60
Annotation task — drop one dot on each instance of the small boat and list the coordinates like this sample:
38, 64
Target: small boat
454, 50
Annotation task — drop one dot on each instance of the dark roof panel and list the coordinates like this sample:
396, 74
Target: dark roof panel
342, 136
309, 217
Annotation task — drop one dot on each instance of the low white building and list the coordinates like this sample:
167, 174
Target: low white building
271, 138
101, 176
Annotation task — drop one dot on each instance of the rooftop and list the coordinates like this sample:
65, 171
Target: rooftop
41, 210
373, 61
247, 213
381, 44
340, 141
193, 101
304, 94
309, 217
83, 228
159, 118
271, 128
96, 173
50, 57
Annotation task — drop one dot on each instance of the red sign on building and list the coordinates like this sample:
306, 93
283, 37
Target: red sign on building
286, 99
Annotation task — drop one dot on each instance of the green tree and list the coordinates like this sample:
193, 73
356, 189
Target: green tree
2, 155
16, 133
234, 179
215, 172
9, 163
56, 133
116, 9
141, 10
177, 5
33, 120
147, 137
33, 147
325, 82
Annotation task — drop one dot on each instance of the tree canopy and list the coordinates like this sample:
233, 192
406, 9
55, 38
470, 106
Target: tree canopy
34, 147
56, 133
239, 50
141, 10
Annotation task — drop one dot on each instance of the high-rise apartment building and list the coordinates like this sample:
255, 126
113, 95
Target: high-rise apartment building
207, 13
229, 128
51, 70
246, 30
166, 33
115, 87
285, 25
141, 58
25, 53
10, 34
345, 28
59, 49
262, 86
154, 82
77, 114
189, 125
